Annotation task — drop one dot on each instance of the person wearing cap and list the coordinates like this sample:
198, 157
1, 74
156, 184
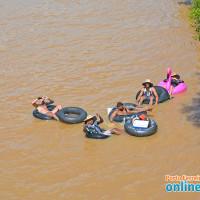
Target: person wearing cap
123, 110
41, 105
92, 125
175, 80
149, 93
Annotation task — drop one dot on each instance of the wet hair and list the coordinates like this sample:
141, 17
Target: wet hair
119, 104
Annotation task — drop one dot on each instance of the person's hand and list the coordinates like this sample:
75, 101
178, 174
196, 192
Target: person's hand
88, 123
97, 115
44, 97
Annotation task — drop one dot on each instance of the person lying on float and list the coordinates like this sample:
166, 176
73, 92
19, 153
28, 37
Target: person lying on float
92, 125
175, 80
148, 92
123, 110
41, 105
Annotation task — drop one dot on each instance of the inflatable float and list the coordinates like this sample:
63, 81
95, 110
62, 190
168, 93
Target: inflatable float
81, 115
42, 116
124, 118
178, 89
96, 135
162, 94
140, 131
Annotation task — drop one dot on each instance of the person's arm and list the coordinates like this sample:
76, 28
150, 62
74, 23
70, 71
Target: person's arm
85, 127
101, 119
34, 103
180, 81
113, 115
51, 101
44, 97
127, 110
140, 95
156, 95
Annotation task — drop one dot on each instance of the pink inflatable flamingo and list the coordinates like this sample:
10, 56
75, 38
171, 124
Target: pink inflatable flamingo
178, 89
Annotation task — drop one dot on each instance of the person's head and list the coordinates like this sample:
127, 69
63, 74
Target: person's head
90, 119
40, 100
120, 106
175, 76
147, 83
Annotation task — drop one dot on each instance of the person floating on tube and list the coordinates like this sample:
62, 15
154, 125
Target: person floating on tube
147, 93
123, 110
41, 105
92, 125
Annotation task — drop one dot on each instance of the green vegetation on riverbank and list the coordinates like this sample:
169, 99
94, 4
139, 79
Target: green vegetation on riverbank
195, 16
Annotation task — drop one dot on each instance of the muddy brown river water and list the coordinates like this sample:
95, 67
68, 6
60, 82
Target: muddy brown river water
92, 54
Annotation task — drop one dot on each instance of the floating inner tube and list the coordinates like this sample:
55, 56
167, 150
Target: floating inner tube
81, 115
140, 132
124, 118
162, 94
42, 116
97, 135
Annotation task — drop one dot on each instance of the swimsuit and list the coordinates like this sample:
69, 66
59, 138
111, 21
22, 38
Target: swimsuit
149, 94
47, 112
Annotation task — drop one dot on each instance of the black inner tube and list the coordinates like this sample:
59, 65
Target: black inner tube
124, 118
97, 135
162, 94
141, 132
42, 116
81, 115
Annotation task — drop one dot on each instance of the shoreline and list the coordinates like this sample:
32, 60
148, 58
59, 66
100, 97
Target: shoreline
195, 17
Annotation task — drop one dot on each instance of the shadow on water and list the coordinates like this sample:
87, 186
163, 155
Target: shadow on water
185, 2
193, 111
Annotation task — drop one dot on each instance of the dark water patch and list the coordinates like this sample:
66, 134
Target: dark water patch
193, 111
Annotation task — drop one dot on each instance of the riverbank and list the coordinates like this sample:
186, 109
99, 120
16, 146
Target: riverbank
195, 16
